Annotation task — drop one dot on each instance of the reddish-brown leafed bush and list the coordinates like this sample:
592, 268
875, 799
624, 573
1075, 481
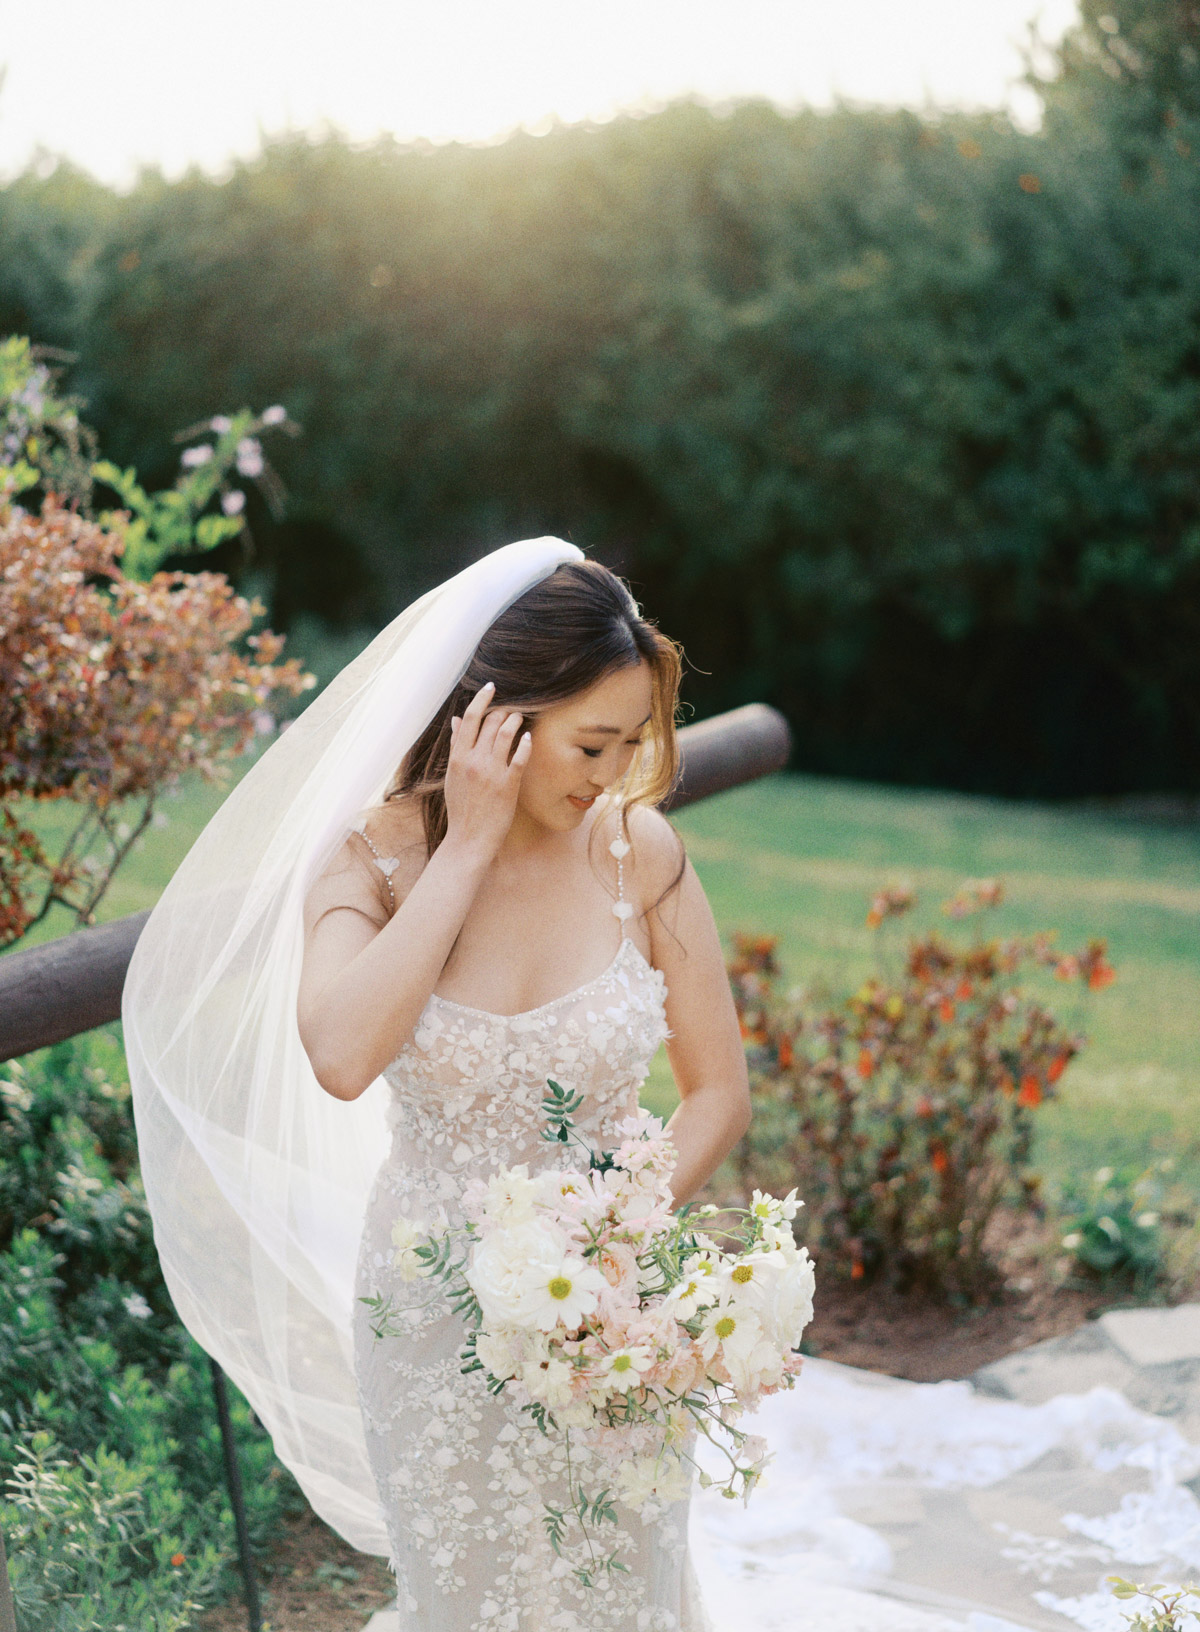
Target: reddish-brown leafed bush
110, 690
904, 1113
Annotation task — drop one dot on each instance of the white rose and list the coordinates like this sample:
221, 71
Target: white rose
500, 1352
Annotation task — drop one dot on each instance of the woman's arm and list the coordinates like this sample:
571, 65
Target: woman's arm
705, 1049
366, 977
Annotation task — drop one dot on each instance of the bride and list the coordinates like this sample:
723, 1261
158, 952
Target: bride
516, 910
445, 884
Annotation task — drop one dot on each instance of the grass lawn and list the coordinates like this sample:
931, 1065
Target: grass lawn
798, 857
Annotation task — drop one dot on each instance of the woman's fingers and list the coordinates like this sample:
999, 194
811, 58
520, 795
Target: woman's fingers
473, 715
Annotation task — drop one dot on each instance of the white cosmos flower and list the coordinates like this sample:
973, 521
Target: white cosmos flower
690, 1294
749, 1356
528, 1276
136, 1306
624, 1367
771, 1210
777, 1287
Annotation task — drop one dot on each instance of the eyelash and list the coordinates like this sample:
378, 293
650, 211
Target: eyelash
594, 753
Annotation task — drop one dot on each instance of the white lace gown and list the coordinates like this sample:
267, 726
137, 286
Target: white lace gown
463, 1475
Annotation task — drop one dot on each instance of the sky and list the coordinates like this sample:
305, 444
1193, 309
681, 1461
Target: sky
115, 84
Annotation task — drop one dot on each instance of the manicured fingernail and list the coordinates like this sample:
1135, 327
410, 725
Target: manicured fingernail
488, 685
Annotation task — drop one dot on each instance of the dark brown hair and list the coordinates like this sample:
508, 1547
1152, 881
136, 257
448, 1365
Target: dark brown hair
559, 638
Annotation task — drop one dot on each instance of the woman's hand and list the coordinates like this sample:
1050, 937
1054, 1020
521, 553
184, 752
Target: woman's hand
483, 776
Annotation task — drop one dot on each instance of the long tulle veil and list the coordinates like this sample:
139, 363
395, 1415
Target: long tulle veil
257, 1180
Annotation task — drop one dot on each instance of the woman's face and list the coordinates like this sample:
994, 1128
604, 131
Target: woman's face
583, 745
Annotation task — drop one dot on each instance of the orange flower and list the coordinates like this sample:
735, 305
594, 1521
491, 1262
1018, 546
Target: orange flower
856, 1270
946, 1010
785, 1053
1031, 1091
1056, 1067
177, 1559
874, 918
965, 991
866, 1063
938, 1159
1101, 976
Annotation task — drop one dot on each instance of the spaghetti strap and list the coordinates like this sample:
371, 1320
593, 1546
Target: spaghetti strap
622, 909
387, 864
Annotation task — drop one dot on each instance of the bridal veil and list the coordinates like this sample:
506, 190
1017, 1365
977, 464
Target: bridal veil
257, 1180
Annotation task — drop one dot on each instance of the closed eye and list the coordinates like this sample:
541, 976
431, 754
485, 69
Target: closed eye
594, 753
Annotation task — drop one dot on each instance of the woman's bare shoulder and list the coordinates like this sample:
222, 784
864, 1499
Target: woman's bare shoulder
396, 835
386, 843
657, 852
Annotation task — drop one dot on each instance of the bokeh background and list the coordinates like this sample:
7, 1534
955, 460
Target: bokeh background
890, 414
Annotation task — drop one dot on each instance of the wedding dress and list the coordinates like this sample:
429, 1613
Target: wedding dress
463, 1475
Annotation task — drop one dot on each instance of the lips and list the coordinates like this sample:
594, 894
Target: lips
582, 804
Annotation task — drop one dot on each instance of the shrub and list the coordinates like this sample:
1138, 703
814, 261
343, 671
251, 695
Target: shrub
98, 1379
99, 1545
1126, 1228
115, 679
904, 1113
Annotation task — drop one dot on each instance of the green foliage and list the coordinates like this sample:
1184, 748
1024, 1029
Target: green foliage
97, 1546
43, 443
894, 420
1168, 1610
1121, 1225
110, 1454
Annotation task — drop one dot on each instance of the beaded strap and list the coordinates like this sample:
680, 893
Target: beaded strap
387, 864
621, 908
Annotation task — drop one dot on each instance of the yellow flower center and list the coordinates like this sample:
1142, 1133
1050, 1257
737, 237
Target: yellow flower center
621, 1362
743, 1273
560, 1287
725, 1327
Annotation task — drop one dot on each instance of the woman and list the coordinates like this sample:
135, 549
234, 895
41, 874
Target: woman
516, 911
511, 908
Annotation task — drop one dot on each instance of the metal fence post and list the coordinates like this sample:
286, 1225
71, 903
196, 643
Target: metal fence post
233, 1479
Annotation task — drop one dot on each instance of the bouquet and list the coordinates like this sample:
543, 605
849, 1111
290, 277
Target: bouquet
617, 1322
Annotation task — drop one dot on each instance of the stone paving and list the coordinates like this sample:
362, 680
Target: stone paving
997, 1505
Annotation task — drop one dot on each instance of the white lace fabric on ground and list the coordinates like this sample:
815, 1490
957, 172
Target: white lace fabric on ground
464, 1474
257, 1179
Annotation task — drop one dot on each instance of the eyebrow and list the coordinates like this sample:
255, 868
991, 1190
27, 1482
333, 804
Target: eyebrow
608, 730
